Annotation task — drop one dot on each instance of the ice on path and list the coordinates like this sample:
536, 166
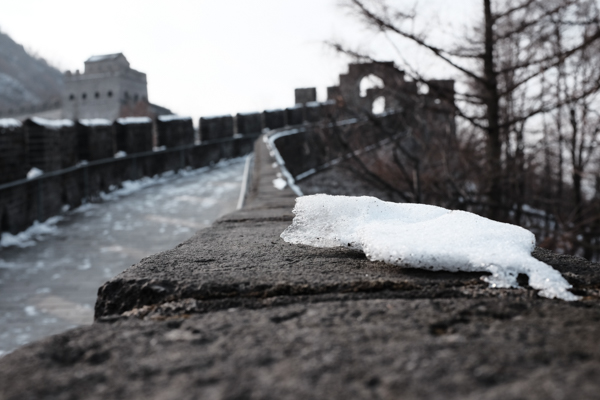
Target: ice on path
423, 236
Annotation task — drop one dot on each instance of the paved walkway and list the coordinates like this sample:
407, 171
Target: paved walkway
51, 287
236, 313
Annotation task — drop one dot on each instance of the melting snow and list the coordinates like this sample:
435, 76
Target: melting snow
424, 236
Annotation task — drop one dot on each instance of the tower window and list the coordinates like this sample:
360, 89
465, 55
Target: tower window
97, 95
109, 93
84, 96
71, 96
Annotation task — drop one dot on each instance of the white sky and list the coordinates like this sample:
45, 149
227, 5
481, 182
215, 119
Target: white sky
208, 57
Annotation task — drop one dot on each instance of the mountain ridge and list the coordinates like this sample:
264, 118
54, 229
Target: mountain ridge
26, 81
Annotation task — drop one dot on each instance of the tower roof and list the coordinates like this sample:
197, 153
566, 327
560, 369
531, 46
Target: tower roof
105, 57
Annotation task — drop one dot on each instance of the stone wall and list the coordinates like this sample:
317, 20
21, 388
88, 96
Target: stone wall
28, 200
14, 161
174, 131
318, 145
134, 134
274, 119
247, 123
218, 127
96, 140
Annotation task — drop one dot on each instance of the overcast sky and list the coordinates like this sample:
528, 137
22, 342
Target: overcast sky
207, 57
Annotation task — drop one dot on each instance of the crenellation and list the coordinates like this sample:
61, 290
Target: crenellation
174, 132
216, 127
305, 95
133, 134
274, 119
248, 123
295, 114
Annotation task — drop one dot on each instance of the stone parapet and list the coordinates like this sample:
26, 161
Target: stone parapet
235, 312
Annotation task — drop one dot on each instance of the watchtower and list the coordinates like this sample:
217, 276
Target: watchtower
108, 88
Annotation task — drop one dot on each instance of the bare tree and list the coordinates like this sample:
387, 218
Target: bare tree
503, 65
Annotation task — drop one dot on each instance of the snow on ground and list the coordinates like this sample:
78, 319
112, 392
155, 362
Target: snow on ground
40, 230
29, 237
279, 183
424, 236
51, 285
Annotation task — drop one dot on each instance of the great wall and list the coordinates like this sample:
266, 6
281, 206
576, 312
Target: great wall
76, 160
236, 313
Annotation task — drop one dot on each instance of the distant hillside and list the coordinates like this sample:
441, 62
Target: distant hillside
25, 81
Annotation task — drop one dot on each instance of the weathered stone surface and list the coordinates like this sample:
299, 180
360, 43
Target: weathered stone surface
438, 349
236, 313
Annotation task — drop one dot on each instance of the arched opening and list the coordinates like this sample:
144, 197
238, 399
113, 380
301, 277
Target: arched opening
109, 93
378, 106
370, 82
84, 96
97, 95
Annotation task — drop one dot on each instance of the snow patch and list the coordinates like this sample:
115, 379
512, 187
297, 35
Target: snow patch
10, 123
34, 173
95, 122
30, 311
279, 183
53, 124
134, 120
27, 238
424, 236
120, 154
173, 117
